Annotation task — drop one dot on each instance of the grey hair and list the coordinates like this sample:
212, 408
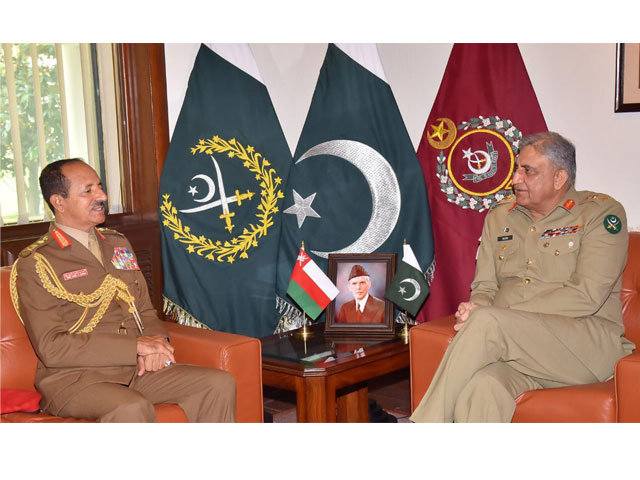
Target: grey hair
560, 151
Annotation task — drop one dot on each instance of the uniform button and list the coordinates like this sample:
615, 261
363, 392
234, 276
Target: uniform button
556, 253
500, 257
546, 244
529, 261
532, 228
527, 280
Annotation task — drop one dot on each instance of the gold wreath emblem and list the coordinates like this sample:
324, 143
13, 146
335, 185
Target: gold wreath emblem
270, 193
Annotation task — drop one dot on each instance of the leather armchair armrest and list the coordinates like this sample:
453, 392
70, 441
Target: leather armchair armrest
239, 355
627, 381
427, 344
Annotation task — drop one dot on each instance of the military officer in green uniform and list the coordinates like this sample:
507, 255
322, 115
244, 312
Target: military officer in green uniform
545, 308
103, 353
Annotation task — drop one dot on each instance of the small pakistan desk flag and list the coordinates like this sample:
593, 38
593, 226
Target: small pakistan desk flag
309, 287
408, 289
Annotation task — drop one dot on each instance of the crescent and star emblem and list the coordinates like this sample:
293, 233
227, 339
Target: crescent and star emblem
383, 185
222, 202
416, 286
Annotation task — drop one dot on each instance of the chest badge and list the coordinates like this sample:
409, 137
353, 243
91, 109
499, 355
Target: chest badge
612, 224
75, 274
556, 232
124, 259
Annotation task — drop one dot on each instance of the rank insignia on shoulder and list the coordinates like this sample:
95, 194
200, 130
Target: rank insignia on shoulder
124, 259
102, 230
29, 250
612, 224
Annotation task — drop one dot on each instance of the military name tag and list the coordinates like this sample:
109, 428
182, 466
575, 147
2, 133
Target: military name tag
504, 238
75, 274
123, 259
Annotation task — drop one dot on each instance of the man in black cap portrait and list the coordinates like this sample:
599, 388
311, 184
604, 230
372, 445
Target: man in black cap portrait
364, 308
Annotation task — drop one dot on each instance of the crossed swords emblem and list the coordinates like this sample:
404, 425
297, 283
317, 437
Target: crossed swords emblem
223, 202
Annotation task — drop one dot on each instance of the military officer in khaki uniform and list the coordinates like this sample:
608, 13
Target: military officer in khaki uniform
103, 353
545, 308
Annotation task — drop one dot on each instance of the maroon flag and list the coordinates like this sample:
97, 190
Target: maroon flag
485, 105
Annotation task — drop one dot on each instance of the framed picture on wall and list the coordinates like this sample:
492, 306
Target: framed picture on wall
628, 77
360, 309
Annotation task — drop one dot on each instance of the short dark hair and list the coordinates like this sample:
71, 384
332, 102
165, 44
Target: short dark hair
556, 148
53, 181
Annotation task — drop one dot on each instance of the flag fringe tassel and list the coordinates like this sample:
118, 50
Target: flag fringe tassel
180, 315
290, 316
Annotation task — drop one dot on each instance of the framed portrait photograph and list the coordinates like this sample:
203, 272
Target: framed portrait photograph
360, 309
628, 77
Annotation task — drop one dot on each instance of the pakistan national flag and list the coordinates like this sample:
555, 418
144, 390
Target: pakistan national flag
408, 289
220, 197
356, 185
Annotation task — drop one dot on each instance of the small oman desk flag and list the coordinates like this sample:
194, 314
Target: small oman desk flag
309, 287
408, 289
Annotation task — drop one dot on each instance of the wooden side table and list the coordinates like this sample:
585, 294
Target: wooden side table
329, 375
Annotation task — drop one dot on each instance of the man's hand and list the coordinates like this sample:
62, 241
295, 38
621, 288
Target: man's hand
148, 344
153, 353
463, 314
152, 363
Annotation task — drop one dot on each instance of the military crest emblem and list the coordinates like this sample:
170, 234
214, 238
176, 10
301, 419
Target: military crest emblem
475, 160
222, 200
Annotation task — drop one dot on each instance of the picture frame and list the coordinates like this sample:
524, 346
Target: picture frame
377, 319
627, 77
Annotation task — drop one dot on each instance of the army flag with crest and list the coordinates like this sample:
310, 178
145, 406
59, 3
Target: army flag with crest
356, 185
485, 105
408, 289
221, 191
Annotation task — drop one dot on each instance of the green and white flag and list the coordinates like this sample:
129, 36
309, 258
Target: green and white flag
409, 288
220, 197
356, 185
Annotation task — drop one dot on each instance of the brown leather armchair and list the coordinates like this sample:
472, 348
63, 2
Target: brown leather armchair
239, 355
616, 400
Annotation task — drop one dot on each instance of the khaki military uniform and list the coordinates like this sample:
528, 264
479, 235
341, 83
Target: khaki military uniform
84, 363
549, 309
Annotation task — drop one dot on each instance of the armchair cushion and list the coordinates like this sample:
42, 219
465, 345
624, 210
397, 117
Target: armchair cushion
12, 400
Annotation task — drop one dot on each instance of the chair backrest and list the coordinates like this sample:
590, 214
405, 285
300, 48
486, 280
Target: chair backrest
17, 359
631, 290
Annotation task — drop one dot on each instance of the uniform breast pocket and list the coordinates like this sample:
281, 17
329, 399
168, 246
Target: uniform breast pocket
508, 258
559, 256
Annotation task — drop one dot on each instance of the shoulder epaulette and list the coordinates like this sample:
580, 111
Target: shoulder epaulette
505, 201
109, 231
595, 197
34, 246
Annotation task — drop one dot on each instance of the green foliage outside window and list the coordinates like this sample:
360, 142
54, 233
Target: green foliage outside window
51, 111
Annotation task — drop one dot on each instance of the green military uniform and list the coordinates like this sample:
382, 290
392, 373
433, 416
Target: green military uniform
549, 310
83, 313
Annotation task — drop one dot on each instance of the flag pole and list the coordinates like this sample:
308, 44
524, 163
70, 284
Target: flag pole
304, 332
404, 333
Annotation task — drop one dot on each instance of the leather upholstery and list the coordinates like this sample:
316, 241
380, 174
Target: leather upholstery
239, 355
617, 400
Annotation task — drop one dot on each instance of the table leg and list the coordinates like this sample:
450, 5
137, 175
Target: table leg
316, 401
353, 406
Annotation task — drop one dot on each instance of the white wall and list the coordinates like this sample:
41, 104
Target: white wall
575, 85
